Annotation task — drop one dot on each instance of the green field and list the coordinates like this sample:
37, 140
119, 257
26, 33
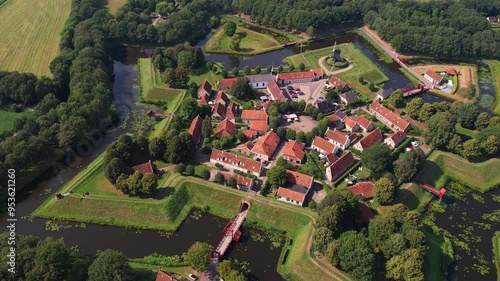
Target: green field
114, 5
9, 117
495, 74
437, 257
309, 58
29, 31
252, 43
414, 197
442, 166
150, 91
496, 252
464, 131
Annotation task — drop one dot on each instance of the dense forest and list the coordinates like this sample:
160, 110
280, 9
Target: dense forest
445, 29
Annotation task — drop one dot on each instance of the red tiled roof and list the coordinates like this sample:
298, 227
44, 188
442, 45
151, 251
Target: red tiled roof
251, 134
333, 118
451, 71
365, 214
371, 138
195, 129
226, 127
252, 114
288, 76
349, 122
353, 137
335, 82
392, 117
226, 83
433, 75
204, 98
323, 144
290, 194
398, 137
145, 168
341, 165
275, 92
363, 122
294, 149
221, 96
331, 157
232, 111
260, 126
317, 71
299, 179
240, 180
163, 276
247, 144
236, 161
336, 136
218, 110
267, 144
364, 189
205, 87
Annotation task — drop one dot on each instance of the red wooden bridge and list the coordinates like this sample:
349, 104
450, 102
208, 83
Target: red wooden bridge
408, 92
151, 113
439, 192
231, 232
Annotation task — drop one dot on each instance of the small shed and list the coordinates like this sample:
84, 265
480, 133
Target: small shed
451, 72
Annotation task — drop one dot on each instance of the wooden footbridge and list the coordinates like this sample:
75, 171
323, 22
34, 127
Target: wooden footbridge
231, 232
439, 192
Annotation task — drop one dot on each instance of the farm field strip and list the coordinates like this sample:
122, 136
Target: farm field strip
30, 34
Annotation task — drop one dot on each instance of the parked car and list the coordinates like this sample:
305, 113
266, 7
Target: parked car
295, 96
300, 93
289, 88
192, 276
297, 89
415, 143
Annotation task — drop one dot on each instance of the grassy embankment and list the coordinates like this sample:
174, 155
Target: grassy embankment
9, 117
30, 34
111, 208
442, 166
437, 258
495, 75
114, 5
496, 253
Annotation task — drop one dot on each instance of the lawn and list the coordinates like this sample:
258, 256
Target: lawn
442, 166
310, 58
495, 74
496, 252
463, 131
150, 91
114, 5
414, 197
8, 118
30, 34
252, 43
437, 257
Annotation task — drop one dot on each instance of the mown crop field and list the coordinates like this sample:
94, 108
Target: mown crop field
114, 5
29, 34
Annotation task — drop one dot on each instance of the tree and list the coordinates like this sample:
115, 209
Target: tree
322, 237
230, 271
383, 191
440, 129
197, 256
455, 145
223, 73
355, 256
426, 112
110, 265
235, 72
290, 134
114, 169
246, 70
466, 115
232, 182
393, 246
205, 174
189, 170
413, 107
482, 121
241, 89
280, 68
234, 42
149, 184
230, 28
269, 68
408, 163
301, 137
407, 266
188, 109
257, 69
209, 65
491, 145
180, 168
396, 99
185, 59
361, 79
331, 218
181, 77
301, 66
310, 31
164, 8
291, 67
156, 147
377, 159
276, 176
206, 127
371, 86
219, 178
51, 261
472, 149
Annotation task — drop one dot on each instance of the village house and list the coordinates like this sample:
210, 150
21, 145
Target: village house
335, 82
145, 168
163, 276
364, 124
393, 140
242, 182
232, 161
433, 77
225, 128
364, 189
296, 188
250, 115
245, 148
276, 93
365, 213
330, 158
250, 134
341, 115
293, 152
383, 94
266, 145
205, 88
325, 106
370, 139
259, 81
339, 139
323, 146
389, 118
195, 129
222, 98
218, 111
340, 166
232, 111
204, 99
259, 126
335, 122
350, 124
226, 83
297, 77
349, 98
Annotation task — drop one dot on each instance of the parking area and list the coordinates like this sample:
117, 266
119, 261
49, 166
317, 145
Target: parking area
311, 90
305, 124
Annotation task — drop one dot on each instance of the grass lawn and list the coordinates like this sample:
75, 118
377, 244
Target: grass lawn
437, 257
496, 252
150, 91
9, 117
361, 174
30, 34
467, 132
202, 75
442, 166
414, 197
114, 5
310, 58
252, 43
495, 74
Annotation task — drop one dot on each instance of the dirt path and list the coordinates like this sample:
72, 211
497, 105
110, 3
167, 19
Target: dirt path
328, 72
373, 34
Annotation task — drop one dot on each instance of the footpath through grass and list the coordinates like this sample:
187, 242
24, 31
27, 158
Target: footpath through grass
8, 118
29, 31
443, 166
496, 253
495, 75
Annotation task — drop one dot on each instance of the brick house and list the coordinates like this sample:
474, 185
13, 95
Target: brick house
370, 139
389, 118
340, 166
266, 145
293, 152
232, 161
296, 188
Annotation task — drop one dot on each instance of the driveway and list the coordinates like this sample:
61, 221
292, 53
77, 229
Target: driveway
311, 90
